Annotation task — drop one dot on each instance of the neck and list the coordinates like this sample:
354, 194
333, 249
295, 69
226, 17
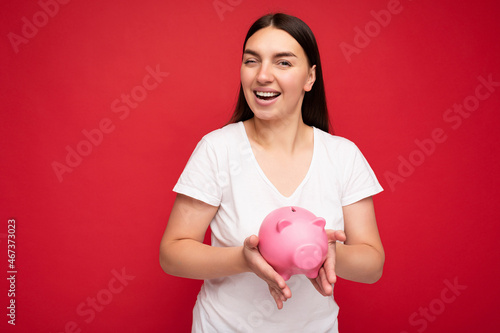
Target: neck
283, 135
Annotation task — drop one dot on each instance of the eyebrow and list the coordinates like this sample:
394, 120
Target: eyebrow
276, 55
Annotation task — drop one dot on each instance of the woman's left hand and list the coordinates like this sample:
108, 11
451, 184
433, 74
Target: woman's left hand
326, 276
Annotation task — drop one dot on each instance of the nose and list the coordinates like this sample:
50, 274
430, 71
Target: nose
265, 74
307, 256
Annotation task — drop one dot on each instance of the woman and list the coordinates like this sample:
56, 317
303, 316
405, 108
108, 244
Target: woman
275, 152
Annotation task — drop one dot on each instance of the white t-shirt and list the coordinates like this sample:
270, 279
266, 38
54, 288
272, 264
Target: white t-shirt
223, 172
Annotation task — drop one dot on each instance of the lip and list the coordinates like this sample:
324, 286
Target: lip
265, 90
263, 102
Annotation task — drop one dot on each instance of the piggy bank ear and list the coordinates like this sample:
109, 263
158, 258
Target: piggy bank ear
282, 224
320, 222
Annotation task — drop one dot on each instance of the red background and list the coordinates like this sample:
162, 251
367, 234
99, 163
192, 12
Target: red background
438, 220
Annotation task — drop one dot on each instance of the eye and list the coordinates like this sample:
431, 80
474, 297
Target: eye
284, 63
249, 61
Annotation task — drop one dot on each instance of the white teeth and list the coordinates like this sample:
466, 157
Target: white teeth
266, 94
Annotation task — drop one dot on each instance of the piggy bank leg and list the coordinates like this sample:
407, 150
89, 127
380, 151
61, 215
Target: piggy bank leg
312, 274
284, 274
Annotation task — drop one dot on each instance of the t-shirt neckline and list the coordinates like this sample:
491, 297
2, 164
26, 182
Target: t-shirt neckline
263, 175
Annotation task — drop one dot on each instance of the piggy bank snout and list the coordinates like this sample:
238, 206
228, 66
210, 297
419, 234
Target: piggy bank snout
308, 256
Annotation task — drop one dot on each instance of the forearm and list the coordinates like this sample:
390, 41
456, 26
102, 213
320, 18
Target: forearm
191, 259
359, 262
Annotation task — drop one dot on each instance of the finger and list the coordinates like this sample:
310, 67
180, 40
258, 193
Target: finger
330, 276
286, 292
251, 242
283, 286
316, 283
279, 292
329, 264
340, 235
335, 235
277, 297
325, 283
273, 279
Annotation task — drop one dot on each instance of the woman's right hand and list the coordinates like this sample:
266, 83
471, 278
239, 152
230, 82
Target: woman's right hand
256, 263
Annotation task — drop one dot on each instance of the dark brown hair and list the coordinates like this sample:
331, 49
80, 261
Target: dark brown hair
314, 108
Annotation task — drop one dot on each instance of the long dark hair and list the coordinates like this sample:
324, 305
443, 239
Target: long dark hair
314, 109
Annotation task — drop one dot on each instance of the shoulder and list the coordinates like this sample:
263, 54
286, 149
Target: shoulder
335, 143
223, 142
223, 136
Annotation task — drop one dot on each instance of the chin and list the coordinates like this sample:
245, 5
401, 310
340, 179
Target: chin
264, 115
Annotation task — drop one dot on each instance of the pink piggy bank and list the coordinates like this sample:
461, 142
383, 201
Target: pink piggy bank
293, 241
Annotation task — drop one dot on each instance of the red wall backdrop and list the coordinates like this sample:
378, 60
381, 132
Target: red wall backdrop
102, 102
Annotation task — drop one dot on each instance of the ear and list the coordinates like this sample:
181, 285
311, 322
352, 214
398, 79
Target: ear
311, 78
282, 224
320, 222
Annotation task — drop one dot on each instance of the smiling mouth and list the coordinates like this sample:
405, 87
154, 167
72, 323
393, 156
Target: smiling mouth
266, 95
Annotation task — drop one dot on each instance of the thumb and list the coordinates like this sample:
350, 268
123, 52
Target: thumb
340, 235
335, 235
252, 241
